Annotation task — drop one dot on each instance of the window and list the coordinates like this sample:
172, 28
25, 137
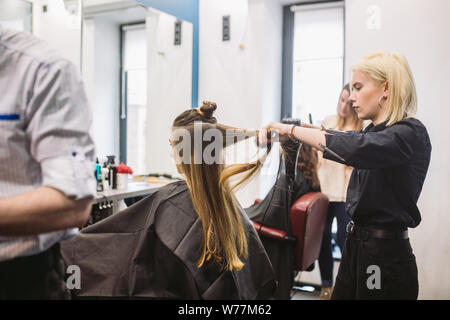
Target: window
318, 56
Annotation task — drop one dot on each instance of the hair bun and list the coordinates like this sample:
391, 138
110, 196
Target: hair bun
208, 108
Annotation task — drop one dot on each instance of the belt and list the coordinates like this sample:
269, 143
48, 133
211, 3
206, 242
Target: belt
367, 232
43, 261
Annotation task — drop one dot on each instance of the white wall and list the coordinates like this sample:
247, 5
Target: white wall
58, 28
420, 30
244, 81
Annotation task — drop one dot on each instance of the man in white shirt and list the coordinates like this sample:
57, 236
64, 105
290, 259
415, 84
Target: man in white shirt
46, 165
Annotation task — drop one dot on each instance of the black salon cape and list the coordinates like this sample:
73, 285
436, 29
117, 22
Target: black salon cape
274, 212
151, 249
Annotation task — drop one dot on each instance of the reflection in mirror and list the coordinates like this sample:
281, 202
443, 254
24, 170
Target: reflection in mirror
108, 30
137, 79
16, 15
56, 21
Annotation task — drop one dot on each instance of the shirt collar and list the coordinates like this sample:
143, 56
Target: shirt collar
372, 128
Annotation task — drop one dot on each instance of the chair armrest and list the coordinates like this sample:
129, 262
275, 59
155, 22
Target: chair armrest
272, 232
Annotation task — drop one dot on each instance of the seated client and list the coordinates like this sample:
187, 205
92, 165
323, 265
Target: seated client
187, 240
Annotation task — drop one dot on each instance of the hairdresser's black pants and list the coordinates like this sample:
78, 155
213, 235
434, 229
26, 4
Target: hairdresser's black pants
39, 276
376, 268
326, 261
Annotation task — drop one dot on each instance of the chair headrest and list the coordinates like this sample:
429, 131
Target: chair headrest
305, 201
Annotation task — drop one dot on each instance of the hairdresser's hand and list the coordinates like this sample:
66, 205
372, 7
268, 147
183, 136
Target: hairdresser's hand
282, 129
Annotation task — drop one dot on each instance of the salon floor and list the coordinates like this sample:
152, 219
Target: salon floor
309, 283
304, 295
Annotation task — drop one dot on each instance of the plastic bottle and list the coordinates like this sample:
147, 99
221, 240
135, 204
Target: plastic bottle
97, 169
105, 177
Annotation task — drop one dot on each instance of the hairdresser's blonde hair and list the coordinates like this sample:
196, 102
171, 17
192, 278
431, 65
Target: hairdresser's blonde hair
394, 69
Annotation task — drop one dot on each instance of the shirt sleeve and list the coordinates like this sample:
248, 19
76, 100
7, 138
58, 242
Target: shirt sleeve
58, 120
368, 150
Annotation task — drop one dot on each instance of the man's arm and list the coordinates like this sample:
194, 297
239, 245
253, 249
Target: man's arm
42, 210
57, 122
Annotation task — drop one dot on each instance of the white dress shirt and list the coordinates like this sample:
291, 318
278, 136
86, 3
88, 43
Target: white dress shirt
44, 131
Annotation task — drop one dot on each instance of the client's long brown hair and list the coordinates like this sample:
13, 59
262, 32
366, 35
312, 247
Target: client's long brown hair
307, 164
224, 238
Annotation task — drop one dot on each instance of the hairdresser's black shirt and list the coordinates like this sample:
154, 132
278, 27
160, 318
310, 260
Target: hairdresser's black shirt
390, 167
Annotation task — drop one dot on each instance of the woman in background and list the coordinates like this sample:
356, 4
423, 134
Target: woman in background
187, 240
334, 178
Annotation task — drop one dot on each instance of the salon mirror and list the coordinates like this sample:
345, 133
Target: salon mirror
56, 21
16, 14
136, 63
137, 69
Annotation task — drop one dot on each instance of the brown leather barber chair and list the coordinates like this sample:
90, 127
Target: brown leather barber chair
307, 219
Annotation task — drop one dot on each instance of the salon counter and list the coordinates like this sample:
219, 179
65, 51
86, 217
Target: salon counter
135, 189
